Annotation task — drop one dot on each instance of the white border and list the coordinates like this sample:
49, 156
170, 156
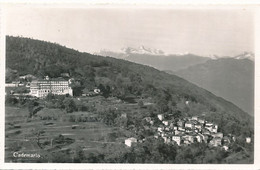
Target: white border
120, 3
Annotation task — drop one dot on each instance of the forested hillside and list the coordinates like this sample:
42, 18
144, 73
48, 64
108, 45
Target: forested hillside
122, 79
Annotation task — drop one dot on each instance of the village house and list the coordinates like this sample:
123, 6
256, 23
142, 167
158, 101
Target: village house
215, 135
130, 141
201, 121
65, 75
189, 124
194, 118
226, 140
181, 129
213, 128
124, 115
209, 124
166, 123
200, 137
160, 117
166, 139
97, 91
190, 138
205, 138
205, 132
177, 139
176, 132
160, 129
248, 140
198, 126
225, 147
216, 141
27, 76
14, 84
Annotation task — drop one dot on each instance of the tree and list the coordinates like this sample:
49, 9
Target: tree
10, 100
140, 103
31, 106
70, 105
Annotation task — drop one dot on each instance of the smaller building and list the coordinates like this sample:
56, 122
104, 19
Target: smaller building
201, 121
176, 132
226, 140
160, 117
181, 129
97, 91
190, 138
130, 141
194, 118
219, 135
189, 124
225, 148
216, 141
167, 129
177, 139
248, 140
166, 123
160, 129
198, 126
209, 124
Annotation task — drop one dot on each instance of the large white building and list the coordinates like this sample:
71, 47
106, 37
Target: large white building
41, 88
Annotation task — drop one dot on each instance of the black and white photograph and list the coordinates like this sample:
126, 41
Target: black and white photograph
129, 84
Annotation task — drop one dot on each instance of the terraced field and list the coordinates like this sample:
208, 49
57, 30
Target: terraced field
36, 135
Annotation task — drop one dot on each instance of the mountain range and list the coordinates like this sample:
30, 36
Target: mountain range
229, 77
155, 58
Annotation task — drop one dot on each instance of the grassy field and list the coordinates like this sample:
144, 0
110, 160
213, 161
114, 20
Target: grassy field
23, 135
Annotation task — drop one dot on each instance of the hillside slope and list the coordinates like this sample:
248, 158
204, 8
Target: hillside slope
122, 78
229, 78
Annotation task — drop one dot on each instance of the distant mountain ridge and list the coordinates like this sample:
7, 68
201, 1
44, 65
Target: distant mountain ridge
244, 55
155, 57
163, 61
230, 78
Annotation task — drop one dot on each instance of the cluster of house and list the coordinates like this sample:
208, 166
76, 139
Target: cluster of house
189, 130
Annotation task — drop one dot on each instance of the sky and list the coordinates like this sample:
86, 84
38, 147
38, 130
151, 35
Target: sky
218, 31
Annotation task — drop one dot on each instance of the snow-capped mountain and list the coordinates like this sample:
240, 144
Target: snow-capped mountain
126, 51
142, 50
246, 55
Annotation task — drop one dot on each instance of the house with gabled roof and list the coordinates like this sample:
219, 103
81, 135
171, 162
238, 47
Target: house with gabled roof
216, 141
177, 139
189, 124
130, 141
219, 135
